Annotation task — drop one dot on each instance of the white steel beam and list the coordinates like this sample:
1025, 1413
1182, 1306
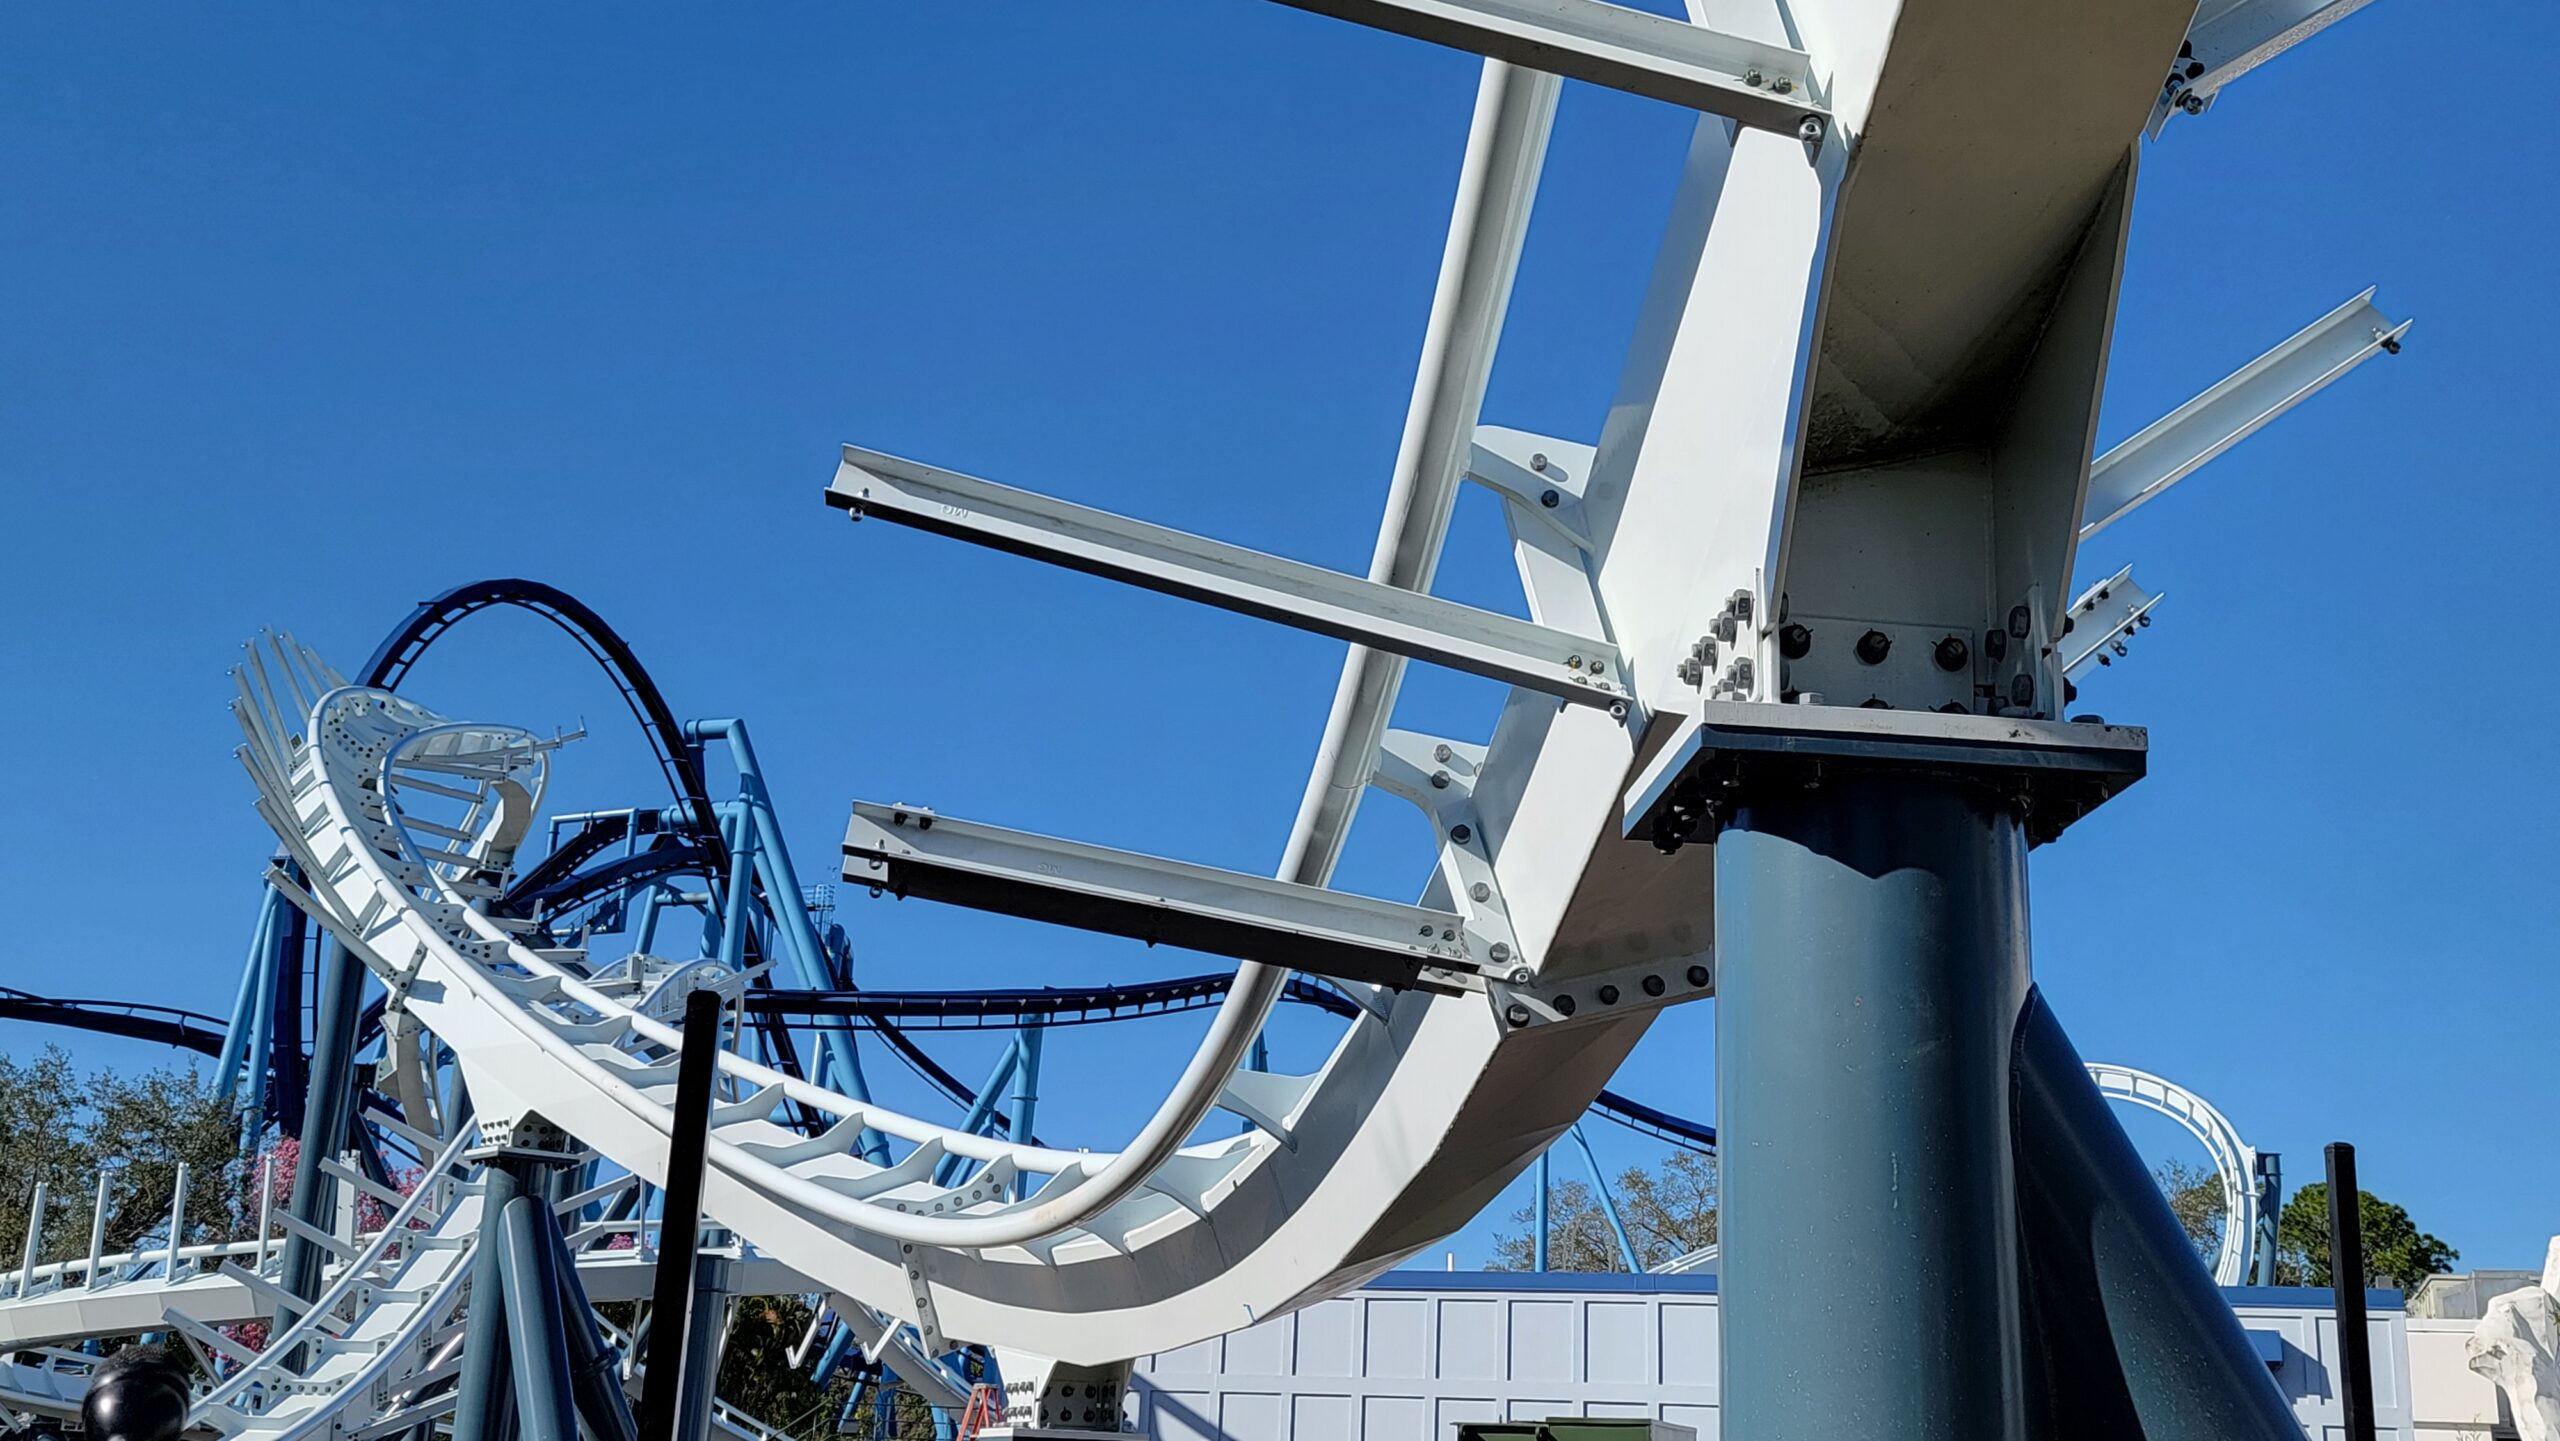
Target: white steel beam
1488, 224
1310, 597
1769, 87
2230, 38
2173, 447
2102, 620
913, 852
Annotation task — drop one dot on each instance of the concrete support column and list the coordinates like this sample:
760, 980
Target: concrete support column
1871, 936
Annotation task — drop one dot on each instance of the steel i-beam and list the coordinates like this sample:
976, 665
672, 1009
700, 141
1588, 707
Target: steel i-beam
1573, 668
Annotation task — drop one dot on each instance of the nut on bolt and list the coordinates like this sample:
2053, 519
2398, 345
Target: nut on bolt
1873, 647
1953, 654
1795, 640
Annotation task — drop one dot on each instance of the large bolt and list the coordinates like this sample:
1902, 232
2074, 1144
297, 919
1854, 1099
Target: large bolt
1538, 463
1480, 891
2018, 622
1564, 1005
1550, 499
1517, 1014
2022, 689
1953, 654
1442, 753
1461, 834
1439, 780
1995, 645
1501, 952
1700, 975
1795, 641
1653, 986
1873, 647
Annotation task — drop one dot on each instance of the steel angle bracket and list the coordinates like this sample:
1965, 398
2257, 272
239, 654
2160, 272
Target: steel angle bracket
2055, 772
913, 852
1609, 995
1768, 87
1364, 612
2103, 621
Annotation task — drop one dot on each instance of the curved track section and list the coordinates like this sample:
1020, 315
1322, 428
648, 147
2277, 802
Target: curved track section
407, 824
188, 1030
2233, 1159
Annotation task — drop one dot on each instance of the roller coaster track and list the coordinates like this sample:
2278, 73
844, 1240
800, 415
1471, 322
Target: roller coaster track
406, 824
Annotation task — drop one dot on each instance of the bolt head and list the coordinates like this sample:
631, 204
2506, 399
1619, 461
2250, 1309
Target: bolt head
1520, 976
1873, 647
1550, 499
1501, 952
1538, 463
1653, 986
1480, 891
1442, 753
1461, 834
1608, 995
1517, 1014
1439, 780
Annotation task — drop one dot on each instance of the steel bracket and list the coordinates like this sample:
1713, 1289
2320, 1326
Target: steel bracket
2054, 772
2103, 621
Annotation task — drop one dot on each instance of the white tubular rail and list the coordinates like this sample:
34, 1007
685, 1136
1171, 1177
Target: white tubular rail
2233, 1159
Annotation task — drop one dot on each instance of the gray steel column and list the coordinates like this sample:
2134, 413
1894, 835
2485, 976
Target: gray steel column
326, 1115
706, 1338
486, 1394
537, 1339
1871, 940
595, 1369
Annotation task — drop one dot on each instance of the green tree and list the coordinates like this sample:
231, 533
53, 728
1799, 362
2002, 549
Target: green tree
2195, 1198
1669, 1211
64, 1129
43, 1137
2396, 1252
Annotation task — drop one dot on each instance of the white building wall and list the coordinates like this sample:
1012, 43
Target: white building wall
1416, 1353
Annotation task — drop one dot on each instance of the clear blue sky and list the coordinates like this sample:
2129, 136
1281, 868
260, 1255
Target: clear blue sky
313, 312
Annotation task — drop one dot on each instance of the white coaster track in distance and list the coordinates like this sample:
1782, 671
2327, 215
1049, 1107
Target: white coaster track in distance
403, 822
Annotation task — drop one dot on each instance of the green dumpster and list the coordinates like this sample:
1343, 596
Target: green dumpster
1575, 1428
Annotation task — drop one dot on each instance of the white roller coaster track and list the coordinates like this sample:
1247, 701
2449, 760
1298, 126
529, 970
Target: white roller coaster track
2234, 1160
402, 821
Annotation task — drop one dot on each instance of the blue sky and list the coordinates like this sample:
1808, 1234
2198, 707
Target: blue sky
313, 312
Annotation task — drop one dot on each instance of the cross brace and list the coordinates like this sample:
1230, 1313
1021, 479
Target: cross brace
1310, 597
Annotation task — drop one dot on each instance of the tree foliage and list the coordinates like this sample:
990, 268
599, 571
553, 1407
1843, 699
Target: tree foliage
2195, 1198
64, 1128
1669, 1211
2396, 1252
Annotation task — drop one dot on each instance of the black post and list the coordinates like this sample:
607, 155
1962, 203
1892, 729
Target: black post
2346, 1283
680, 1220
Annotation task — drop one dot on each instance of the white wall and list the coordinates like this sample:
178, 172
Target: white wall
1418, 1352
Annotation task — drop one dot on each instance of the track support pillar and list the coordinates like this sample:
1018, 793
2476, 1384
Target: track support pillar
1872, 936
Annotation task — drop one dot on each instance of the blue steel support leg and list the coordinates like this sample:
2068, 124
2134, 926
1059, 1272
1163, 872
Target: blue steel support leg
326, 1115
705, 1334
1872, 945
2132, 1340
982, 1109
244, 1003
1026, 1092
1608, 1202
759, 830
253, 1081
537, 1336
484, 1397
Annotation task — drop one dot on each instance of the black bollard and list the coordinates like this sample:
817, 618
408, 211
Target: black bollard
680, 1216
2346, 1283
139, 1394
